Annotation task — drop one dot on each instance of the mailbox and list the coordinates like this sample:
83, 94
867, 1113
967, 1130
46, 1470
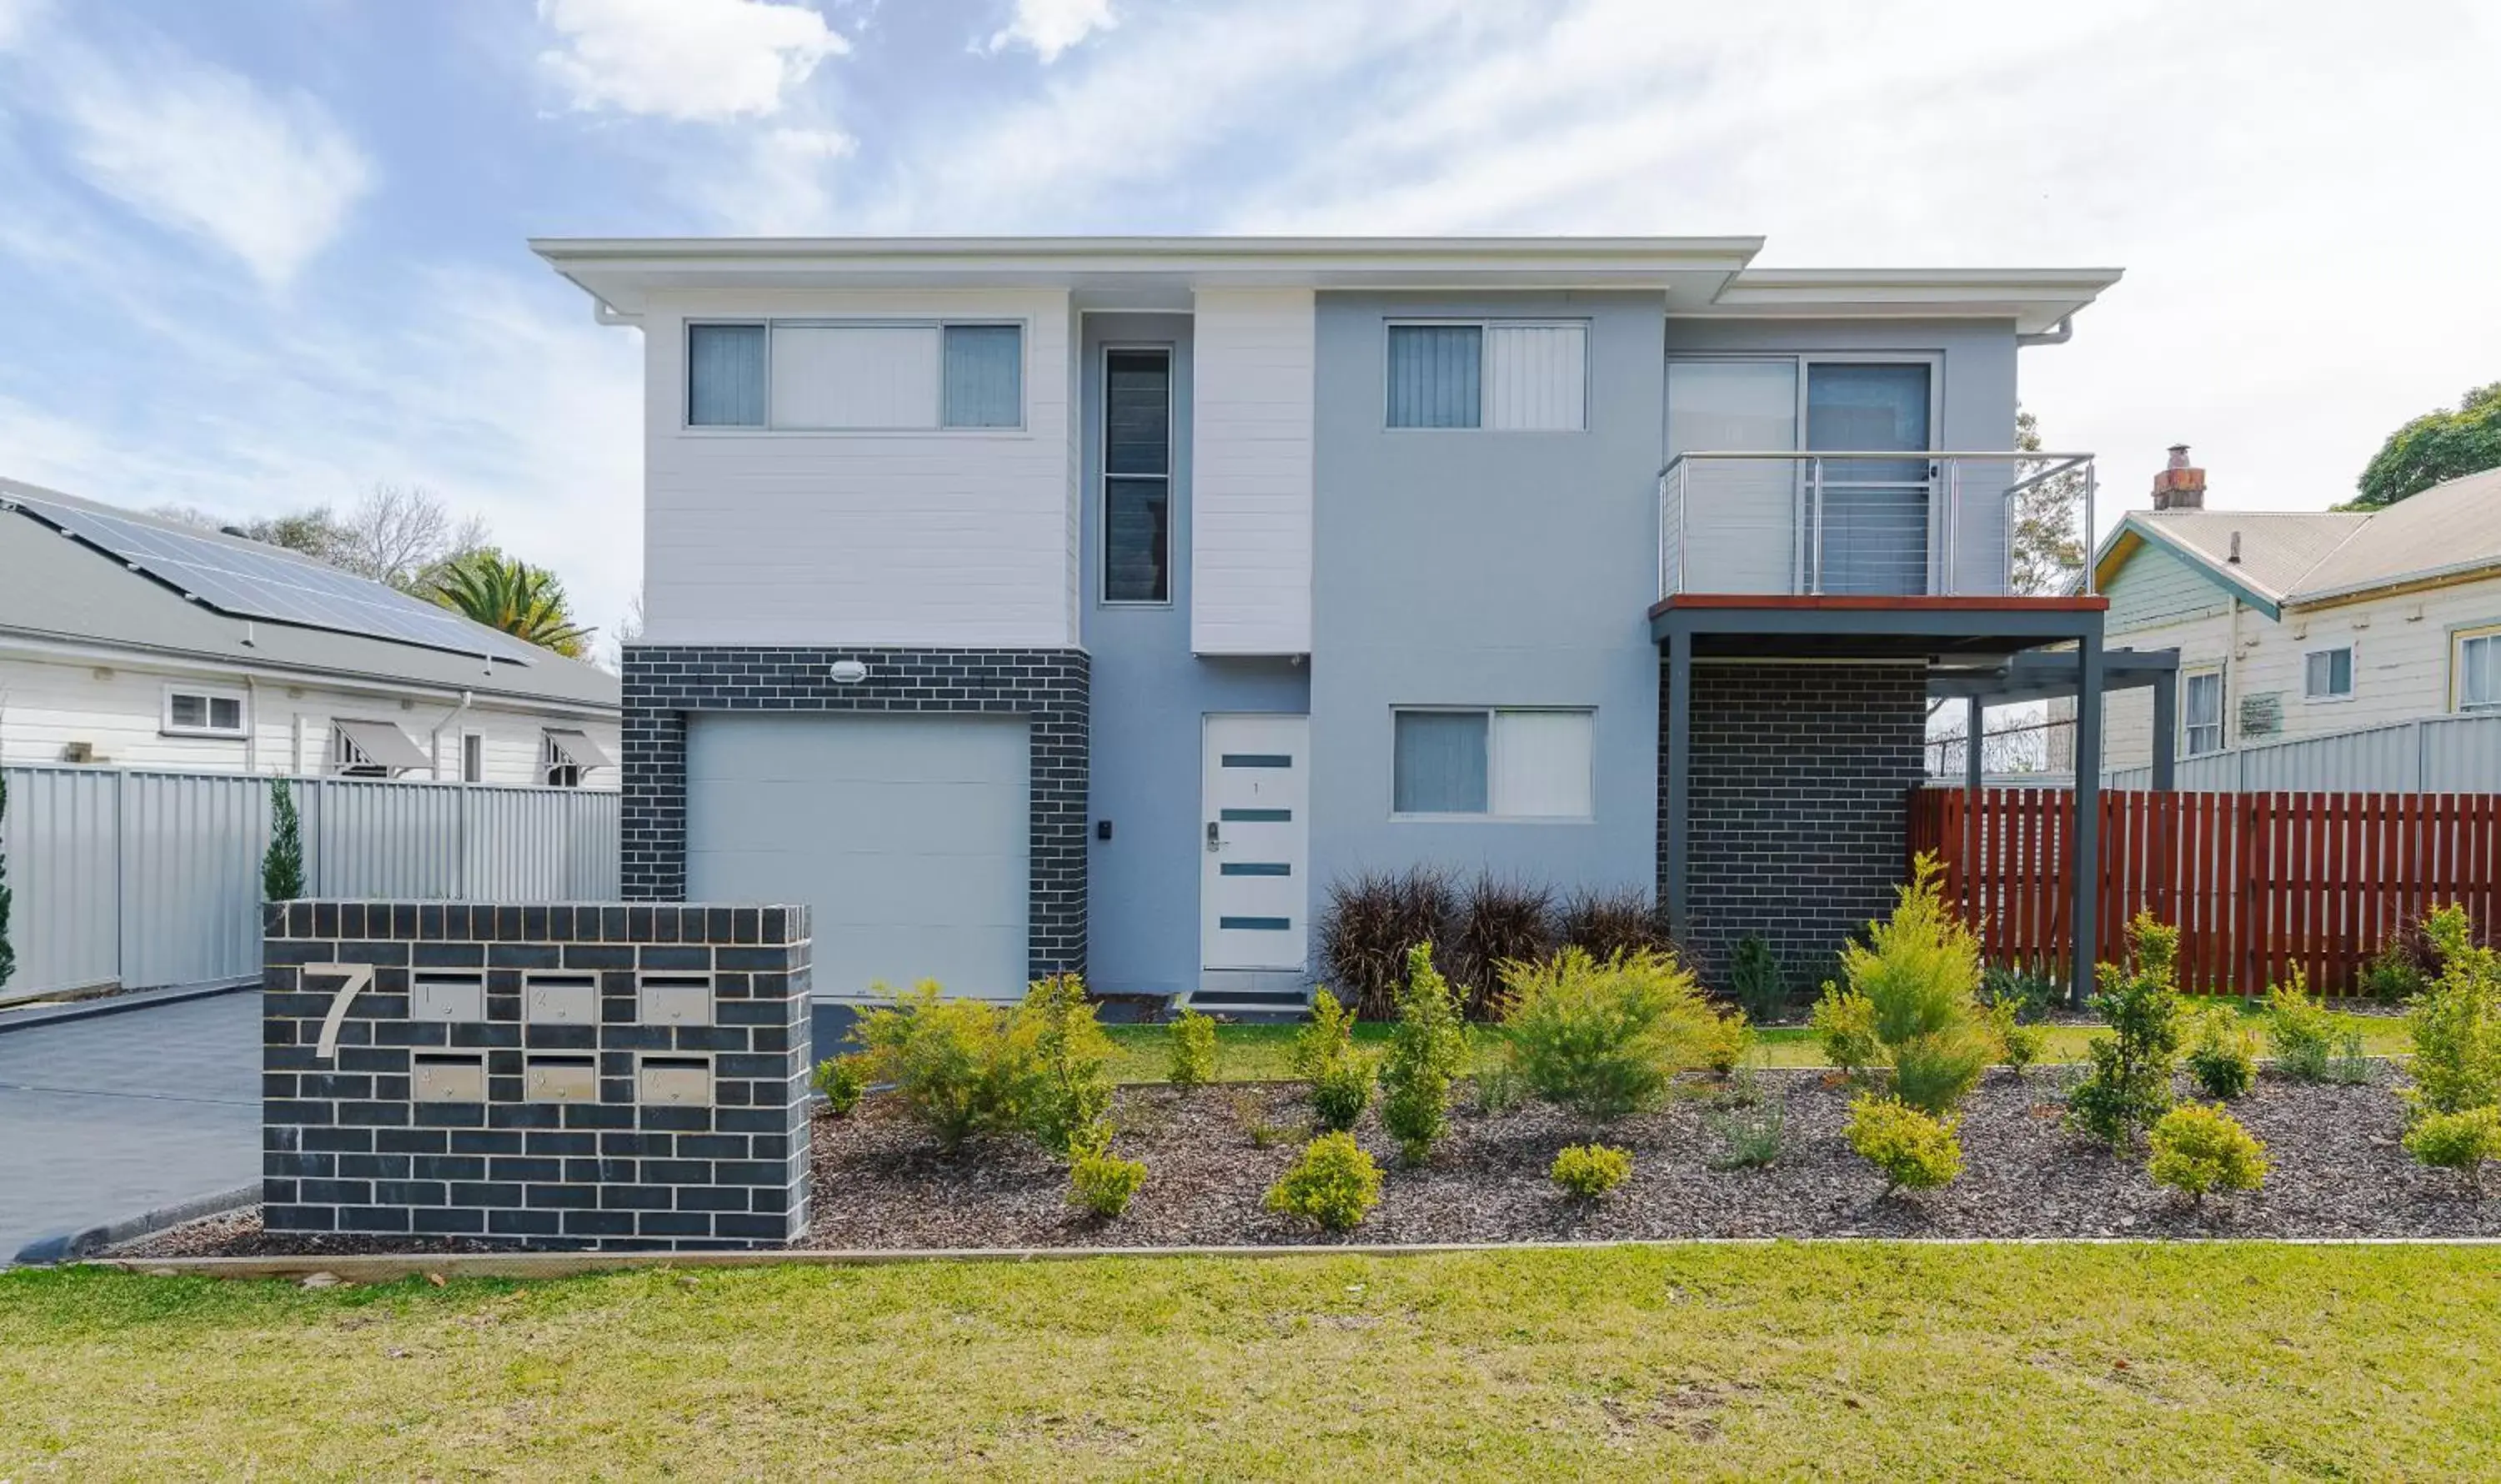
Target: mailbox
560, 1079
675, 999
683, 1081
560, 999
438, 1078
440, 997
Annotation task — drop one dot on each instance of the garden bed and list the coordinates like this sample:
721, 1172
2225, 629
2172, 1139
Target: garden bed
2338, 1171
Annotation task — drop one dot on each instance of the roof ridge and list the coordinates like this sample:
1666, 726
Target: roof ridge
2342, 542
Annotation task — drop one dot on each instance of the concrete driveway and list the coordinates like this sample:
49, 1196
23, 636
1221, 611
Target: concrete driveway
106, 1118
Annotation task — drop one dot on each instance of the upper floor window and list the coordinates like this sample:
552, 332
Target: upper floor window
1503, 765
2201, 712
202, 713
2479, 669
851, 377
1137, 476
1506, 375
2327, 675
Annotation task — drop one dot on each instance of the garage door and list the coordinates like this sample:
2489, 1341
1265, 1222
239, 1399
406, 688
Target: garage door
906, 837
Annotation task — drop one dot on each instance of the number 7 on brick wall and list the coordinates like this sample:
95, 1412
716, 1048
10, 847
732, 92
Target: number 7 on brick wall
359, 977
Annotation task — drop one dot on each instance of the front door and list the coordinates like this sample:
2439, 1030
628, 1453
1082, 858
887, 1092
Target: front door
1255, 843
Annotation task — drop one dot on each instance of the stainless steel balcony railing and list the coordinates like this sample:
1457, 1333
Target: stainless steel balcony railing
1849, 522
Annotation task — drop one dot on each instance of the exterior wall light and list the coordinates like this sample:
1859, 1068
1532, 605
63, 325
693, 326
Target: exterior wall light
847, 672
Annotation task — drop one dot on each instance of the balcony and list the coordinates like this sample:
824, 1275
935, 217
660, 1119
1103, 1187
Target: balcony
1866, 523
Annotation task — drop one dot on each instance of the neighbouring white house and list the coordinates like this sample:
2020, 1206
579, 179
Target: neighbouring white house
131, 641
2294, 623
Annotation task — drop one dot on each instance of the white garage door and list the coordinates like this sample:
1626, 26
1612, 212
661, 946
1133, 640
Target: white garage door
906, 837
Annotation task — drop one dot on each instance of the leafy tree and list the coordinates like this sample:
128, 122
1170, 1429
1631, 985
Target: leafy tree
505, 592
8, 954
2434, 448
2048, 539
282, 868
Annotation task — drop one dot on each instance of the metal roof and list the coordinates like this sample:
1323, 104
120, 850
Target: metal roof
56, 589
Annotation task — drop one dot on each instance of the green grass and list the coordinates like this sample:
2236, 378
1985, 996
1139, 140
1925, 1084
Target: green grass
1257, 1053
1874, 1360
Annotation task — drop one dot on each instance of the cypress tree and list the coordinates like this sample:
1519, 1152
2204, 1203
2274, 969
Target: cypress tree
8, 955
281, 869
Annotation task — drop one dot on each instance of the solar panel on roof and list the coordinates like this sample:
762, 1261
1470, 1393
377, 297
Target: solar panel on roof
268, 585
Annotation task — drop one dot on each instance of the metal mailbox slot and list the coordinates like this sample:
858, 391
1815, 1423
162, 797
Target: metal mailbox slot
438, 1078
560, 1079
675, 999
683, 1081
438, 996
560, 999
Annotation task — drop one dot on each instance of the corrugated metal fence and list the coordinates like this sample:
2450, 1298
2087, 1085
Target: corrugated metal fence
146, 879
2432, 754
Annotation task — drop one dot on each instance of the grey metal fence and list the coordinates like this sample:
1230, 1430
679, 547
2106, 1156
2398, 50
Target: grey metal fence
2431, 754
150, 878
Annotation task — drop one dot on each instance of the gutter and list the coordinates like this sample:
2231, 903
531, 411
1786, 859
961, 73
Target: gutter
434, 740
39, 645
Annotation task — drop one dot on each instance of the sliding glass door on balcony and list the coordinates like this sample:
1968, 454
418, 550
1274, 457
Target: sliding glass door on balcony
1874, 511
1739, 520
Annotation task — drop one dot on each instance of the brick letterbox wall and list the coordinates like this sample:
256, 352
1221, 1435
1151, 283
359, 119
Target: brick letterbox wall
592, 1075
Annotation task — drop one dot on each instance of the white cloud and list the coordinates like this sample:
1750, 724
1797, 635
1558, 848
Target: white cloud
1051, 26
202, 151
782, 188
686, 59
17, 19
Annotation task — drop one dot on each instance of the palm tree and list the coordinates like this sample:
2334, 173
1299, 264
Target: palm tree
508, 594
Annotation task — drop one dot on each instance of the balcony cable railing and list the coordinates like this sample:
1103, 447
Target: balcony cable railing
1895, 516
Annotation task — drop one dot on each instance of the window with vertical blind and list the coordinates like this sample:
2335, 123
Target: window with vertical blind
2478, 665
1500, 375
831, 376
1523, 764
2201, 712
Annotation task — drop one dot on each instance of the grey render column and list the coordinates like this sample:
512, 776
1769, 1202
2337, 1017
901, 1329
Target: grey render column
2166, 731
2089, 811
1678, 807
1974, 779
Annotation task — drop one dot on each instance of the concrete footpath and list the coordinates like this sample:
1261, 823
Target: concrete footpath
103, 1119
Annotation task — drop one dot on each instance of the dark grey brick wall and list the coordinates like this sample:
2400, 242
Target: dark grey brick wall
1050, 688
348, 1148
1800, 804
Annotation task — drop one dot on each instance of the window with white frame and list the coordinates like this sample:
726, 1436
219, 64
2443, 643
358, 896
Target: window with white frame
1497, 763
193, 711
556, 767
2327, 675
1504, 375
2201, 712
473, 757
854, 376
2477, 664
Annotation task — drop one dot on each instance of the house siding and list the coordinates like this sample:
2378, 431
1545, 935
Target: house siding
1251, 556
2157, 587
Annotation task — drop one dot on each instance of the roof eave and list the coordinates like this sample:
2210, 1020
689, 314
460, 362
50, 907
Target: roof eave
2114, 556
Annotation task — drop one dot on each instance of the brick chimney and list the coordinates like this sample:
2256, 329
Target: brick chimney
2181, 486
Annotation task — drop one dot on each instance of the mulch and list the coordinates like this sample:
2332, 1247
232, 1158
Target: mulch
2338, 1171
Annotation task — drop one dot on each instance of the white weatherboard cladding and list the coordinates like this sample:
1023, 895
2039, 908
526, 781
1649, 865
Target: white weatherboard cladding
1250, 513
935, 538
882, 376
1536, 377
906, 837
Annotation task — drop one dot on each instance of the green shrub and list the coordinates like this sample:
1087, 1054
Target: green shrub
1428, 1049
1936, 1071
2455, 1023
1590, 1170
842, 1081
1844, 1022
2222, 1056
2032, 996
1099, 1180
2019, 1044
1913, 1150
1341, 1093
1754, 977
1920, 968
1608, 1038
2197, 1149
957, 1066
2461, 1141
2351, 1064
1332, 1182
1193, 1051
282, 865
2407, 964
1726, 1041
1072, 1059
1499, 1088
2129, 1085
2300, 1029
1327, 1038
1750, 1131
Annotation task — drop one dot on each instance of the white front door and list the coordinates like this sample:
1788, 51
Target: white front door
1254, 846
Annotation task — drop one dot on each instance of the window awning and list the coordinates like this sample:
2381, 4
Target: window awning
578, 749
383, 744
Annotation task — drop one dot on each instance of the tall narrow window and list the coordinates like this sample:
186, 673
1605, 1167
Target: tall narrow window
473, 757
2202, 713
725, 376
1137, 477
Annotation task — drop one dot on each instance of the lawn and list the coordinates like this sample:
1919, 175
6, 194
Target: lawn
1257, 1053
1868, 1360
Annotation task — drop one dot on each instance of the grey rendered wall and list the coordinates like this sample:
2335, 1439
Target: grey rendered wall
1978, 402
1150, 694
1482, 568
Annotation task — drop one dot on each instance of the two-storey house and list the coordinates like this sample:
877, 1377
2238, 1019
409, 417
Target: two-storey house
1095, 603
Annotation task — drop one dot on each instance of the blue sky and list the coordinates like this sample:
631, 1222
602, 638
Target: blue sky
260, 253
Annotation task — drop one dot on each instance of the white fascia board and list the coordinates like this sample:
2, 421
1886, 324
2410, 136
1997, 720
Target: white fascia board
2036, 299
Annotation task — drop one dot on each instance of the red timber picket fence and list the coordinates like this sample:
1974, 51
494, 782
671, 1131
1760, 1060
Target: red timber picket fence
2258, 884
